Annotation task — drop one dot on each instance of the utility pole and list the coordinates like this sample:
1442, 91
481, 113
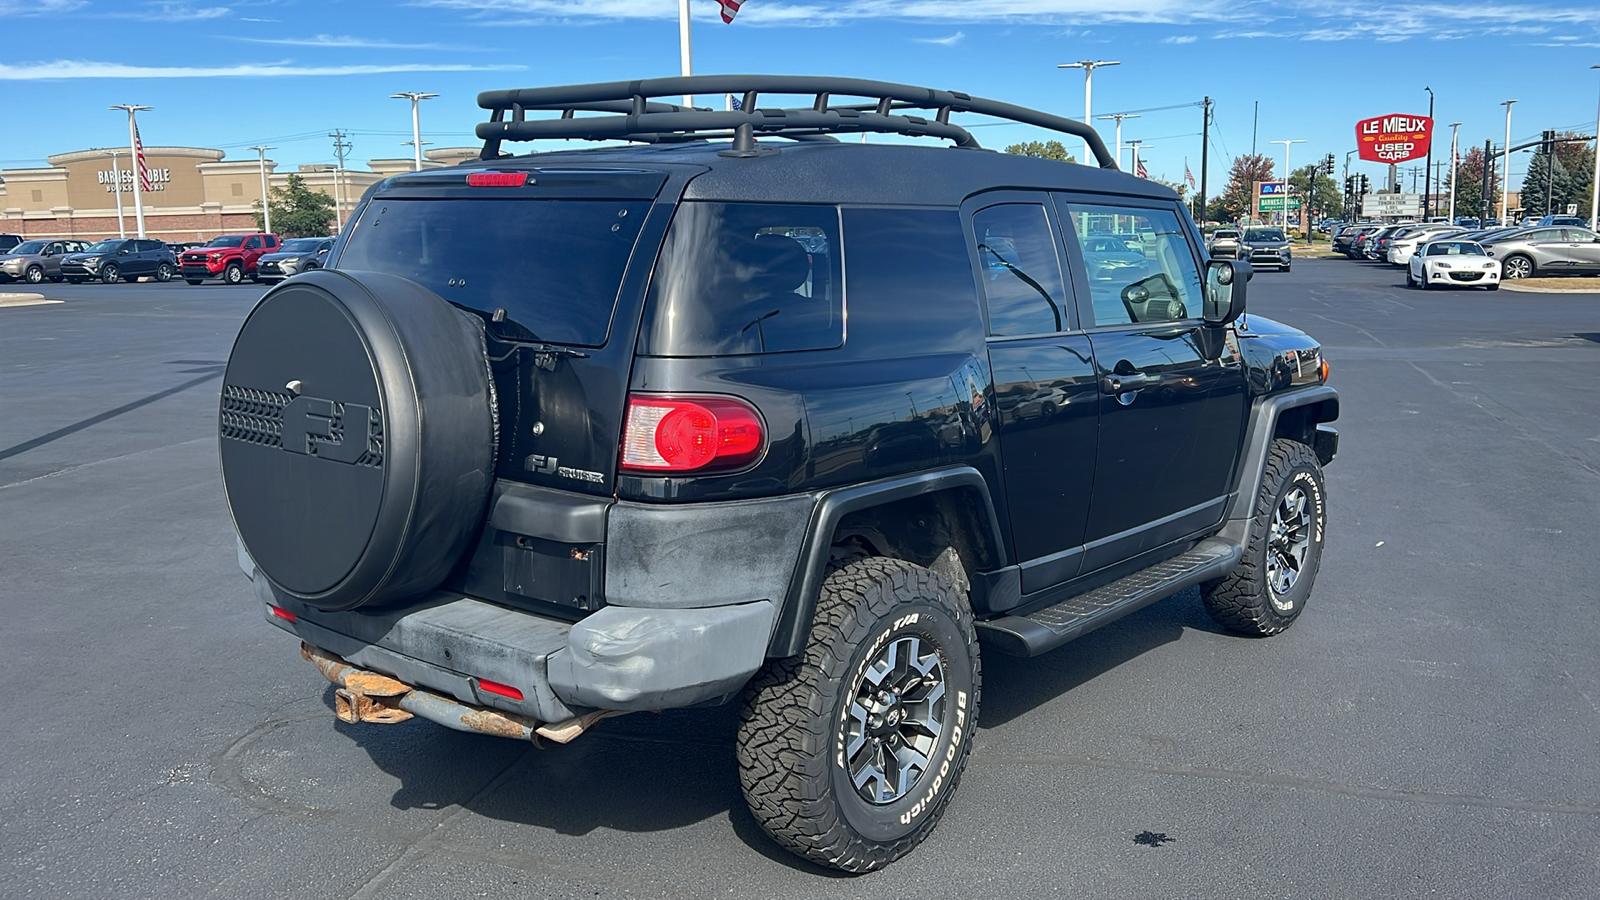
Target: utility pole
684, 64
116, 188
340, 148
1088, 66
266, 207
135, 155
1505, 172
1488, 182
1119, 117
1255, 121
1427, 182
1594, 201
1205, 147
1455, 128
1286, 172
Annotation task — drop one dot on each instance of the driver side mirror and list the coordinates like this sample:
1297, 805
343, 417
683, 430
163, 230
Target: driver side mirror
1225, 290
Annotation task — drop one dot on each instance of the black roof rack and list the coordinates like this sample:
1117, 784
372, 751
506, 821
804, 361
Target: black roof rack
635, 116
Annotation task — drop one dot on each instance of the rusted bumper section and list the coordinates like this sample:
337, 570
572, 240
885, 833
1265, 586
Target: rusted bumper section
363, 696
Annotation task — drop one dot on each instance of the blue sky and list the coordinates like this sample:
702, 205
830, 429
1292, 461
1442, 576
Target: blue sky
284, 73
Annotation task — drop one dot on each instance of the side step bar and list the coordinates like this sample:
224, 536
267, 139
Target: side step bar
1048, 628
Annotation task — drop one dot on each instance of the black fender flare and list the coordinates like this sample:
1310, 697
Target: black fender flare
794, 619
1258, 436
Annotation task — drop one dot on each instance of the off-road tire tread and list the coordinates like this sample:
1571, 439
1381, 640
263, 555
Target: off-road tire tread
785, 740
1240, 602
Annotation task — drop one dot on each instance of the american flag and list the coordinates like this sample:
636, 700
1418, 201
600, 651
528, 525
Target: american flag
138, 154
730, 8
1188, 175
1140, 170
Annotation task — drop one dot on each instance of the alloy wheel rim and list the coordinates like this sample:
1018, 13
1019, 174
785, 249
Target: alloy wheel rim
895, 720
1288, 541
1517, 268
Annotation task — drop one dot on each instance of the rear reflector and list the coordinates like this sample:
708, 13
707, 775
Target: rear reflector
495, 687
685, 434
497, 179
283, 614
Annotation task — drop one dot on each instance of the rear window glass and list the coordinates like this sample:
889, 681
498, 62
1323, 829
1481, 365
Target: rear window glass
742, 278
554, 266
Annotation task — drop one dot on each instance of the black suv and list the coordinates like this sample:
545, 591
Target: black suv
120, 259
792, 422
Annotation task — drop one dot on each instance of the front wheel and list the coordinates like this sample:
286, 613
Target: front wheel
849, 752
1283, 548
1518, 267
34, 275
109, 274
234, 274
163, 273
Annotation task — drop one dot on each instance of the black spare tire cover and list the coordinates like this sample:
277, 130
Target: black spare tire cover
357, 437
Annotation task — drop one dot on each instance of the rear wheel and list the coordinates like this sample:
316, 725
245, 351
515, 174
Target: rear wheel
1518, 267
1269, 588
34, 275
109, 274
849, 752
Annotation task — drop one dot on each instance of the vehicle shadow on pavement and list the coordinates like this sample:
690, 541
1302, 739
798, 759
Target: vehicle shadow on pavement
1014, 687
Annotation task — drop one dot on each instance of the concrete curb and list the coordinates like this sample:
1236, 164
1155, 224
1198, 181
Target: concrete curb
1513, 286
17, 299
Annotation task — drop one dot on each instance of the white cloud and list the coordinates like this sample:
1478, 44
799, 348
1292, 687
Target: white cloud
949, 41
346, 42
45, 7
173, 11
1180, 39
65, 68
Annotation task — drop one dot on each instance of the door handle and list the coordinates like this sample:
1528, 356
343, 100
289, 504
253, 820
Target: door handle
1133, 381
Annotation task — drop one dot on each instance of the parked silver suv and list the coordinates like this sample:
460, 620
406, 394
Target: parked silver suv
34, 261
1546, 251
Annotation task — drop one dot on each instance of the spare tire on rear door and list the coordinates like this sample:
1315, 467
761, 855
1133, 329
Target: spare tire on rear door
357, 437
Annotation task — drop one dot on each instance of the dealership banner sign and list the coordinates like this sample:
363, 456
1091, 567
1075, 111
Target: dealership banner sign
1395, 138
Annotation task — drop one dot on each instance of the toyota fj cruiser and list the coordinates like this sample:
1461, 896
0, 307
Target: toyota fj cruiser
795, 422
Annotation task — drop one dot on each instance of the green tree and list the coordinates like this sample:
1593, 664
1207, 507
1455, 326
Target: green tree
298, 211
1324, 194
1469, 187
1043, 150
1566, 178
1238, 196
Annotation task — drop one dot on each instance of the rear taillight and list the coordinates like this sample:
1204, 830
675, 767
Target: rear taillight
497, 179
687, 434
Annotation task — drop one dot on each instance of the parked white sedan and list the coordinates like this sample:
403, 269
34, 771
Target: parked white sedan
1450, 263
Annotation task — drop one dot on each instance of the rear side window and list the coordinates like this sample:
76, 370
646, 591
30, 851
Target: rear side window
553, 266
743, 278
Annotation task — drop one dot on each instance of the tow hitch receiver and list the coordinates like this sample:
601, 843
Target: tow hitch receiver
363, 696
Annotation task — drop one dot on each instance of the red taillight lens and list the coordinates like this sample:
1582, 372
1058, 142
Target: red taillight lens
495, 687
497, 179
283, 614
684, 434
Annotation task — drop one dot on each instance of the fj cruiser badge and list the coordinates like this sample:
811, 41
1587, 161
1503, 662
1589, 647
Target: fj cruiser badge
327, 430
548, 465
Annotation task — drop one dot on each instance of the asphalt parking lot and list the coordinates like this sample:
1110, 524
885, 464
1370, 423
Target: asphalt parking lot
1430, 727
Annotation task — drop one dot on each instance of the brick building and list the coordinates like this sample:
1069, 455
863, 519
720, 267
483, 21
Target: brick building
196, 193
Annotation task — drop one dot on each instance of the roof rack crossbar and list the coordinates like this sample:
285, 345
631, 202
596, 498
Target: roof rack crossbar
635, 117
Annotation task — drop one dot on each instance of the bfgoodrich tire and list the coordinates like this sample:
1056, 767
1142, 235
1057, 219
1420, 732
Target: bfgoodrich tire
1283, 549
849, 752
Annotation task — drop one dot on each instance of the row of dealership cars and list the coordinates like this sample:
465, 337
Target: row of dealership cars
1438, 254
231, 258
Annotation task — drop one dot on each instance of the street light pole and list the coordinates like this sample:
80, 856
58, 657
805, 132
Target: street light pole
1088, 66
1594, 201
1427, 177
1119, 117
1505, 175
133, 154
116, 188
1286, 170
683, 47
1455, 128
416, 126
266, 206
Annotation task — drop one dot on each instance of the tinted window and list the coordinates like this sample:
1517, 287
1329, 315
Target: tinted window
554, 266
252, 243
27, 247
1021, 273
226, 240
107, 246
271, 241
737, 278
302, 245
1542, 234
1264, 234
1455, 248
1158, 283
1579, 234
910, 280
145, 246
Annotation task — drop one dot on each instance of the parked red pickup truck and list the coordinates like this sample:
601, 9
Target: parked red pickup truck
231, 257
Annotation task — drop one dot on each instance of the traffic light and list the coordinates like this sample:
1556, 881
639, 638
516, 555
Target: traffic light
1363, 184
1548, 139
1327, 164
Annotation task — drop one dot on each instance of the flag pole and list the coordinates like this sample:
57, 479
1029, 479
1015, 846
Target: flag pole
683, 46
